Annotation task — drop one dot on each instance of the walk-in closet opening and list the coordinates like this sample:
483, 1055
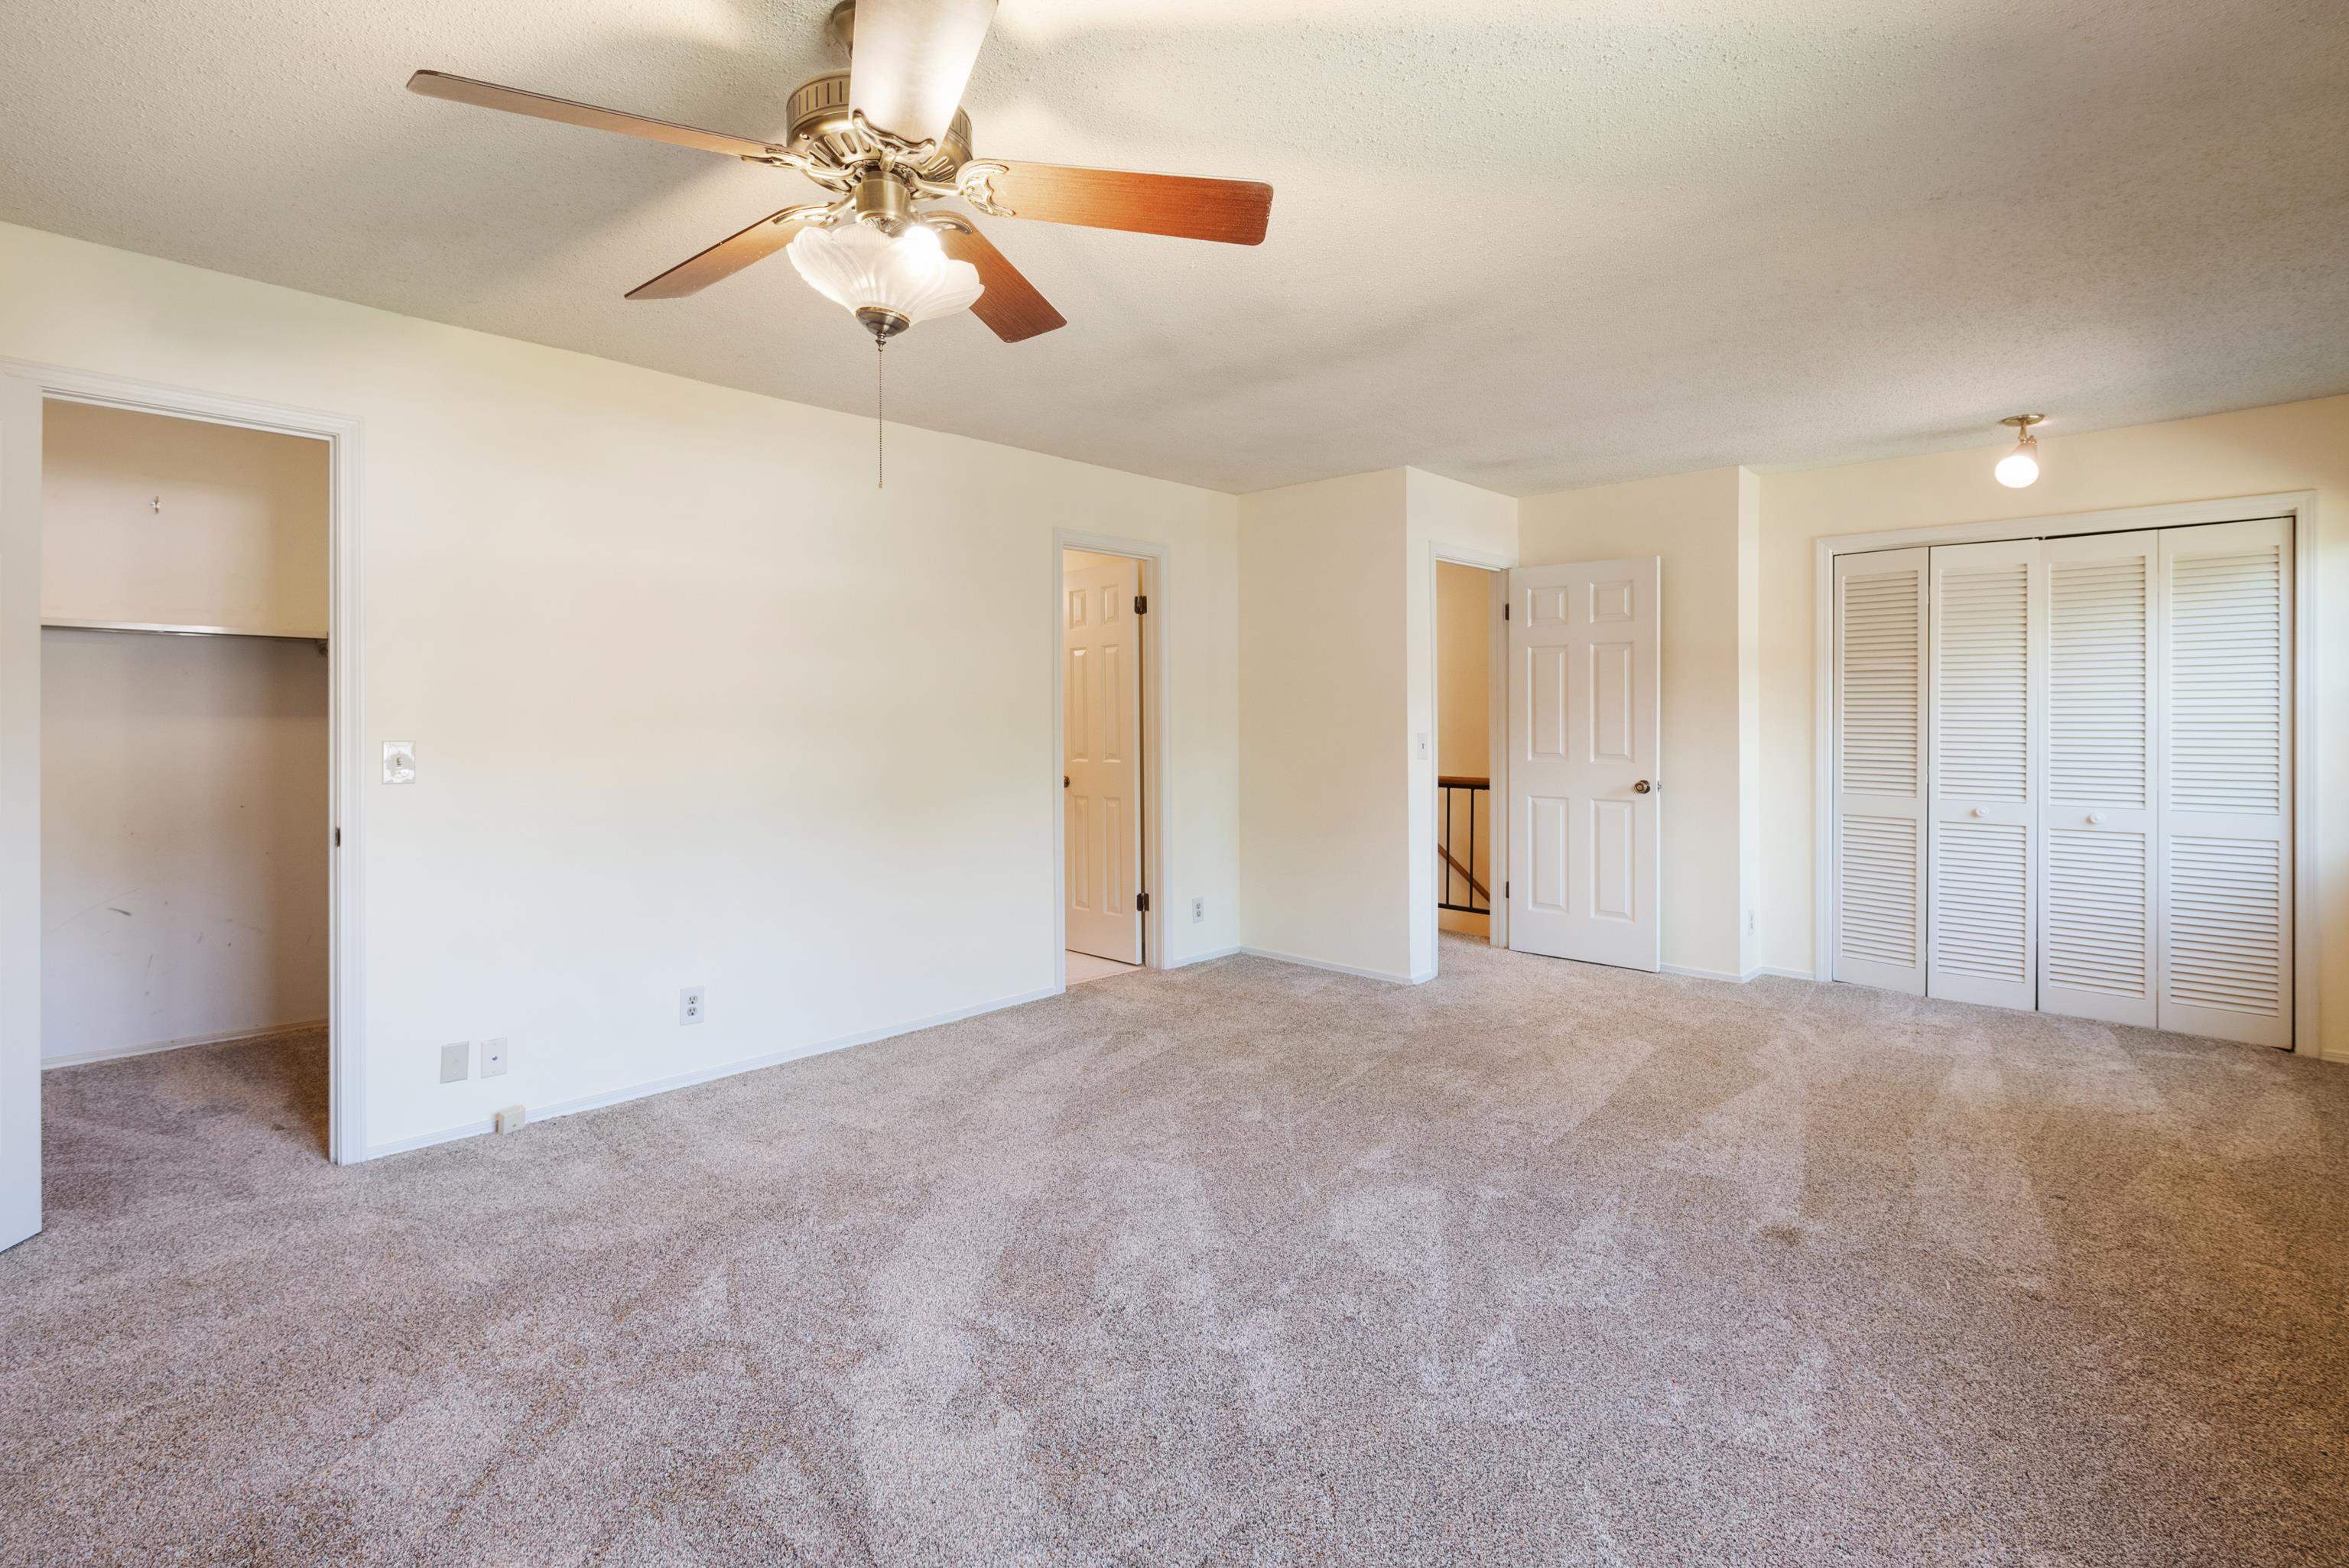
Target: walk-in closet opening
185, 755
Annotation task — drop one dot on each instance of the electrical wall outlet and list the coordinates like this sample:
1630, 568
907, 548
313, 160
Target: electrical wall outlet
510, 1119
494, 1059
689, 1005
456, 1062
1198, 910
1749, 923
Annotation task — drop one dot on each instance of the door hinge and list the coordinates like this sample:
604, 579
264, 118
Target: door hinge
1142, 903
1505, 890
1504, 611
1141, 604
1064, 780
338, 838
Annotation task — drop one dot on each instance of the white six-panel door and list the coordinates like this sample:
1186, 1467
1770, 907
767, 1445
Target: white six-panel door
2106, 735
1585, 737
1100, 736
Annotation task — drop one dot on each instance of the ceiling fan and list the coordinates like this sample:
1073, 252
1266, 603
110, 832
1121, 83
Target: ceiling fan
885, 139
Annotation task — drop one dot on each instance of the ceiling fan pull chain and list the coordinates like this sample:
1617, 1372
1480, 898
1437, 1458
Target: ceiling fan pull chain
880, 419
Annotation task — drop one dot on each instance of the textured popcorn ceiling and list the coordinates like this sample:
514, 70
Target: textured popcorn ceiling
1527, 245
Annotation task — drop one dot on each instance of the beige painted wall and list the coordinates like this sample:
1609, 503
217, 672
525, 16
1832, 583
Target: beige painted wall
1324, 785
1337, 683
1693, 521
183, 838
240, 541
1464, 661
695, 703
2296, 446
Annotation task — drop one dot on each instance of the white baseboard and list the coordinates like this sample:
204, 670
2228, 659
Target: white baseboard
1207, 957
1753, 973
1691, 973
708, 1075
1389, 975
117, 1053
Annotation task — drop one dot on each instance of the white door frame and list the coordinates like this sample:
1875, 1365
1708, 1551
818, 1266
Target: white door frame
2300, 506
1158, 560
1496, 739
346, 1141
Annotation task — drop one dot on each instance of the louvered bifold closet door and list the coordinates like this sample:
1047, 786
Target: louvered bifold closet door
2225, 774
2097, 809
1988, 638
1879, 759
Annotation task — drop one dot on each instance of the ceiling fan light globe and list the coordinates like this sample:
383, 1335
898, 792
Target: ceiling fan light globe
863, 270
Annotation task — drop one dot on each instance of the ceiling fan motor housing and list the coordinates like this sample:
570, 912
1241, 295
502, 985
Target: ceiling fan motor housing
823, 129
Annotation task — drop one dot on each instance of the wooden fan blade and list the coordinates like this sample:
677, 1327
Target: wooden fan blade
729, 255
1234, 212
514, 100
910, 59
1011, 307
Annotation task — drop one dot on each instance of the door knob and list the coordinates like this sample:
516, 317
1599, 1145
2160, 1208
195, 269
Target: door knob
2095, 817
1975, 812
1641, 787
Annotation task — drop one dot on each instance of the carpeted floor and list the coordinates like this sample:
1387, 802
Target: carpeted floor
1244, 1263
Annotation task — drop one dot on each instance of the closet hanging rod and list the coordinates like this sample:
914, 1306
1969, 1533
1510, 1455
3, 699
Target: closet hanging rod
157, 628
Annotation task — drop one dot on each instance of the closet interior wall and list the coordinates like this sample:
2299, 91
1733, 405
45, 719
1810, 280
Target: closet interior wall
185, 821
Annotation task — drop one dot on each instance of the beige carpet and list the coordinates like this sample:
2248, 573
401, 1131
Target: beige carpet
1246, 1264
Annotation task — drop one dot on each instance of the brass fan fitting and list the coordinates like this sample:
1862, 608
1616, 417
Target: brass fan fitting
884, 202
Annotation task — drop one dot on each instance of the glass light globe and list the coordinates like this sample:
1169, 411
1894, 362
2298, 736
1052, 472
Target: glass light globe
890, 282
2019, 467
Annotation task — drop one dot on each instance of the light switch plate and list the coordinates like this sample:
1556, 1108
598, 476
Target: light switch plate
399, 762
494, 1059
456, 1062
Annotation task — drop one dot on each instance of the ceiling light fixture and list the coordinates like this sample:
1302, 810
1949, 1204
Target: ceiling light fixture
889, 282
2021, 467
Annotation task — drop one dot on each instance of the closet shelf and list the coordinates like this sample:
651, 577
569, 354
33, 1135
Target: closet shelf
161, 629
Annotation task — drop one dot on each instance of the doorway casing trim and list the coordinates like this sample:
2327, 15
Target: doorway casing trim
345, 904
1158, 561
2300, 506
1497, 737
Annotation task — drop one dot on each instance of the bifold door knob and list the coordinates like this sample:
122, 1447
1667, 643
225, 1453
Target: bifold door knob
1975, 812
2094, 818
1641, 787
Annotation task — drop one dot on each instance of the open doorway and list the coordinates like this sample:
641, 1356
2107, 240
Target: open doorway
186, 691
1103, 763
1466, 699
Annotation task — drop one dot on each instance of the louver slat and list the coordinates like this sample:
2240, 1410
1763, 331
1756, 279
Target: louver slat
1982, 684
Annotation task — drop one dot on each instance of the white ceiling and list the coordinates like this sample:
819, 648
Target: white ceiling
1526, 244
